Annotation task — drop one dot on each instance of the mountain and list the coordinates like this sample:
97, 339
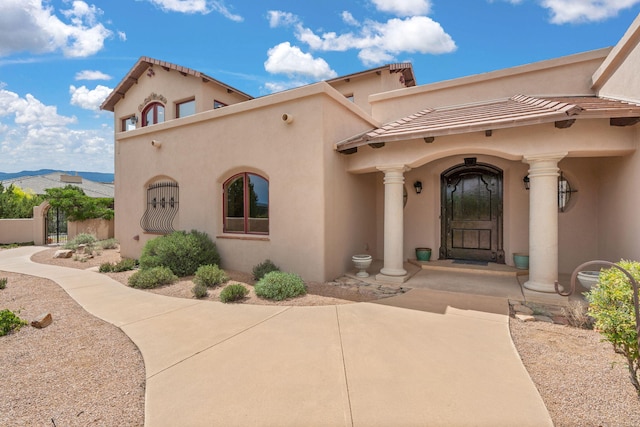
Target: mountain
91, 176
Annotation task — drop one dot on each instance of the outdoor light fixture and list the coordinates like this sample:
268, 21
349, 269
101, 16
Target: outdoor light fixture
526, 182
418, 186
134, 119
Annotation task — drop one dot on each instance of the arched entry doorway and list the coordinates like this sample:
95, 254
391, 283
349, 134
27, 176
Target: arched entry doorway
472, 212
55, 226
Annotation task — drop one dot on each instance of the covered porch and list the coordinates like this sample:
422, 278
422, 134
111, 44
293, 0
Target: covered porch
525, 140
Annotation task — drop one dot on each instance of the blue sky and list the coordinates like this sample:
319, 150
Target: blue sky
59, 59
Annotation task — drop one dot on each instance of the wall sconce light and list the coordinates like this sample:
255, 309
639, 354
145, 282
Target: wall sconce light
526, 182
418, 186
134, 119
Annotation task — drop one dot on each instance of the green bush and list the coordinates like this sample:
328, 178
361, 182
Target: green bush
182, 252
233, 292
3, 282
199, 290
210, 275
9, 322
106, 267
152, 278
267, 266
108, 244
611, 305
125, 264
279, 286
82, 239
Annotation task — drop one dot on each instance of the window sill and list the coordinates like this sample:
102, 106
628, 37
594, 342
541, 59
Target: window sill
255, 237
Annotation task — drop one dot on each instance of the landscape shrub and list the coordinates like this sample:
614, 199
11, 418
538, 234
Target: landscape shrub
210, 275
10, 322
3, 282
279, 286
152, 278
182, 252
108, 244
611, 305
233, 292
199, 290
125, 264
106, 267
82, 239
266, 266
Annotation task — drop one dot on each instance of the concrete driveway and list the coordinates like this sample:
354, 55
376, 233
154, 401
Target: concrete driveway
362, 364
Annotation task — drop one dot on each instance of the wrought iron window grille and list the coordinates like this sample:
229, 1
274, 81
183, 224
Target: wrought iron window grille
162, 207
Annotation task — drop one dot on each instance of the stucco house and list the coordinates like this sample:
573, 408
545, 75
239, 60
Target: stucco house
541, 158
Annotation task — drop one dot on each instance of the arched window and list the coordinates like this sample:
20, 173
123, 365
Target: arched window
153, 114
246, 204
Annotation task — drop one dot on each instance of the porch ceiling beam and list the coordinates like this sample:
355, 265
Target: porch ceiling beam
564, 124
376, 144
623, 121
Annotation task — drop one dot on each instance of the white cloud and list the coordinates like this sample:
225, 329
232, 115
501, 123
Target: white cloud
380, 42
92, 75
197, 6
273, 87
278, 18
89, 99
28, 25
33, 136
290, 60
576, 11
348, 19
404, 7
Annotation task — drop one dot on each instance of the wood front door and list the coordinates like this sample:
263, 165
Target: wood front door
472, 213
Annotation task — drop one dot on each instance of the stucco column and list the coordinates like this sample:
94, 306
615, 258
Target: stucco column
393, 221
543, 221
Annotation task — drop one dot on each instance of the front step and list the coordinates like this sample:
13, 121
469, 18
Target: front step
490, 269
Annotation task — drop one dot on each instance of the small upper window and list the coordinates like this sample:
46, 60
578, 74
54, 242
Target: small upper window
218, 104
153, 114
564, 192
184, 109
129, 123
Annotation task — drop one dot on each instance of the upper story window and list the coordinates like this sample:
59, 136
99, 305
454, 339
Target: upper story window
218, 104
153, 114
246, 204
186, 108
129, 123
350, 97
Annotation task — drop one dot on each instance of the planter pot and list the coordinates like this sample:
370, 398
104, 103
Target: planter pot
362, 262
588, 279
521, 261
423, 254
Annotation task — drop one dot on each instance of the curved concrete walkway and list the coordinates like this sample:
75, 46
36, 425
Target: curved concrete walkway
350, 365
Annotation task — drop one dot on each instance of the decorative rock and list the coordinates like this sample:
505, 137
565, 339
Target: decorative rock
42, 321
525, 317
541, 318
523, 309
63, 253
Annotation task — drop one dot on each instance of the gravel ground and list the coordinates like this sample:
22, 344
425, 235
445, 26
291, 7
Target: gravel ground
581, 380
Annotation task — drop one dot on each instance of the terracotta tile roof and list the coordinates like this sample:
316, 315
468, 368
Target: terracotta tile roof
519, 110
141, 67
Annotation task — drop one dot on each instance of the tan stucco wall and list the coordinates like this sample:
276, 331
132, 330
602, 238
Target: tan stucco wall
563, 76
619, 207
102, 229
308, 183
16, 230
363, 86
618, 76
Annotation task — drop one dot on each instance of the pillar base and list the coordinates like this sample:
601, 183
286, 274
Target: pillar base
381, 277
541, 287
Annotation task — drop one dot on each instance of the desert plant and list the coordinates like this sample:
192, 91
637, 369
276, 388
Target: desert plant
82, 239
106, 267
108, 244
576, 315
125, 264
279, 286
182, 252
199, 290
611, 305
3, 282
152, 278
10, 322
210, 275
266, 266
233, 292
